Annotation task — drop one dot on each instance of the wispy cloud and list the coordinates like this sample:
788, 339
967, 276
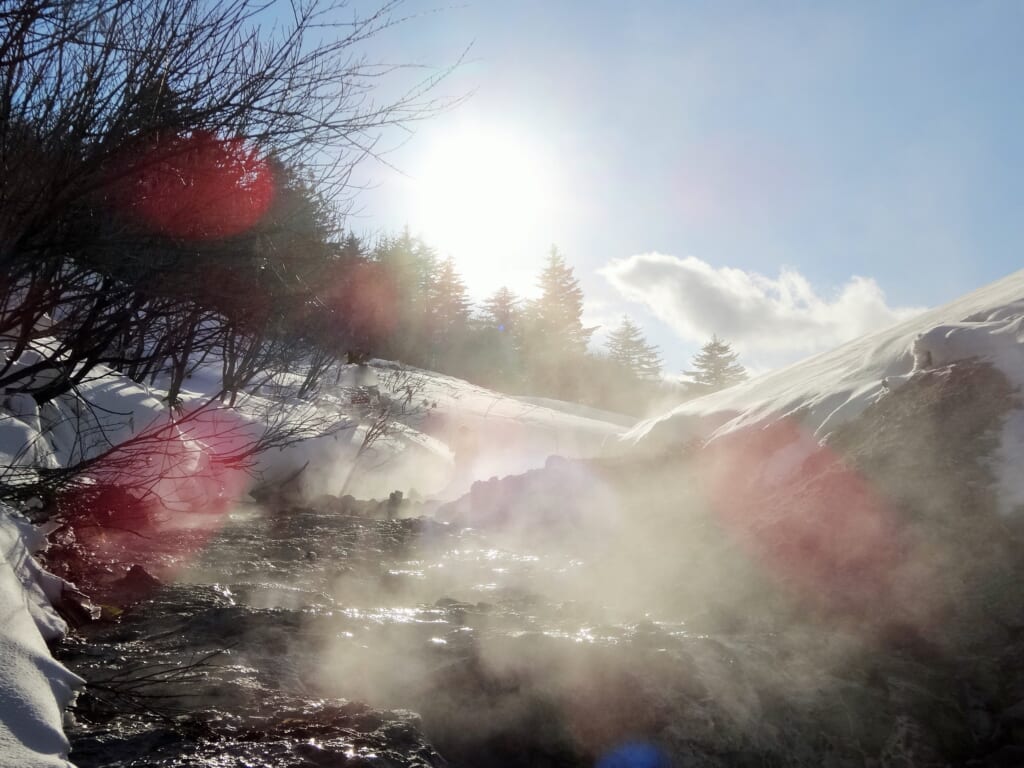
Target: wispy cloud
770, 321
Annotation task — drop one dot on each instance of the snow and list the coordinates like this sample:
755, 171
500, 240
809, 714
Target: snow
833, 387
34, 689
450, 433
492, 435
460, 433
579, 410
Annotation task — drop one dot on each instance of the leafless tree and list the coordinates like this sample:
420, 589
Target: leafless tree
95, 94
87, 87
92, 94
399, 402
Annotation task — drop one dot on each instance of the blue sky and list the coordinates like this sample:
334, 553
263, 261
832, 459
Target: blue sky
768, 153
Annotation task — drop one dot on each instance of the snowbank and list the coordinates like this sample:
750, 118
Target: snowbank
34, 689
447, 433
828, 389
491, 434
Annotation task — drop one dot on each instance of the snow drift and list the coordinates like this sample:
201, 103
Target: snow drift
34, 689
828, 389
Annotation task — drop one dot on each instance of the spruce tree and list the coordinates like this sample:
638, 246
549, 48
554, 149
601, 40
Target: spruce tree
501, 311
498, 341
559, 310
410, 266
554, 339
628, 348
352, 248
447, 304
716, 366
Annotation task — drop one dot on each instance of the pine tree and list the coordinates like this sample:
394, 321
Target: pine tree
716, 366
559, 310
410, 265
502, 311
628, 348
352, 248
448, 306
497, 343
554, 341
446, 319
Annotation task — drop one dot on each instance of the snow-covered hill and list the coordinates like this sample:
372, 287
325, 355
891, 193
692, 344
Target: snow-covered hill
446, 434
832, 387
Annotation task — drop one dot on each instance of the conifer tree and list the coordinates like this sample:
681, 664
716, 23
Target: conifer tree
501, 311
628, 348
410, 265
498, 341
554, 341
559, 310
352, 248
448, 306
716, 366
446, 319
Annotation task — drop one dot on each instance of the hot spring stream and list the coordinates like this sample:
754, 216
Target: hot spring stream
308, 638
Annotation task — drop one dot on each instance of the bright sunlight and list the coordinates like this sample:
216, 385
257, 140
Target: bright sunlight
488, 196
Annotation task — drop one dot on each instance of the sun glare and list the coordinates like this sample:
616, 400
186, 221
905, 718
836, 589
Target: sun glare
488, 198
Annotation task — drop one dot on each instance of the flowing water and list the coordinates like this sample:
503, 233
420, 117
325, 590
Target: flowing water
611, 615
314, 638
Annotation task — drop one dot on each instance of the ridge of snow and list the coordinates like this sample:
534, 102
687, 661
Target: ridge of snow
833, 387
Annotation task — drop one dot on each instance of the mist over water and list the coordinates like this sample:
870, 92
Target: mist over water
762, 599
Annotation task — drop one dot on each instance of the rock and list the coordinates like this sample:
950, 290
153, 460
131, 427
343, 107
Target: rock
137, 582
76, 607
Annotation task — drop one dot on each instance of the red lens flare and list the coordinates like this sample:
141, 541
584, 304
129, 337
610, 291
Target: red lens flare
199, 187
156, 502
815, 523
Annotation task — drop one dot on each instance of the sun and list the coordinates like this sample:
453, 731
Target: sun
488, 197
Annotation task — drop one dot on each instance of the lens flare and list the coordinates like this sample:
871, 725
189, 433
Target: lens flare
156, 502
813, 521
199, 187
634, 755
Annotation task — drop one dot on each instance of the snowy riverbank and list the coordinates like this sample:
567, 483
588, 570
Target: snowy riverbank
34, 689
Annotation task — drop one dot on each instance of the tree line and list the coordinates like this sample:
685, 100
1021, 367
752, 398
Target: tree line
175, 182
420, 313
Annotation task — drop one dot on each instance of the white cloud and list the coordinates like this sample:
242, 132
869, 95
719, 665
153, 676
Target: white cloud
770, 321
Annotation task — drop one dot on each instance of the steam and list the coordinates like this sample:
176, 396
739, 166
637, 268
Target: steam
722, 597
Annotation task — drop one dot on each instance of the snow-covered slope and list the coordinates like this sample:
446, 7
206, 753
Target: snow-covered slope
448, 434
828, 389
492, 434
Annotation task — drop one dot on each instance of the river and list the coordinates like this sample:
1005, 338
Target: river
329, 639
